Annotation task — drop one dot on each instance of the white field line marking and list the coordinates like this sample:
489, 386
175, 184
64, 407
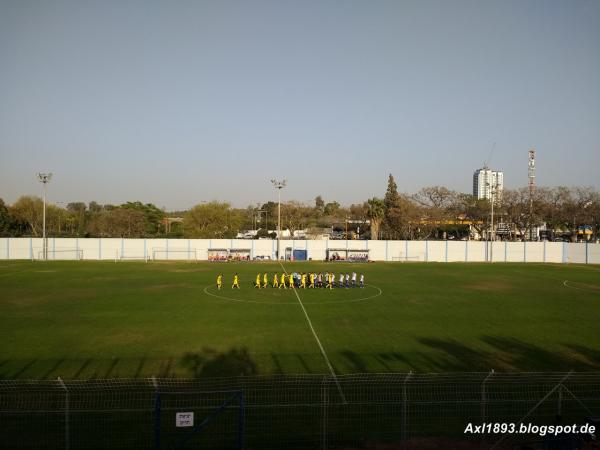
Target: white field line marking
356, 300
318, 342
584, 287
206, 291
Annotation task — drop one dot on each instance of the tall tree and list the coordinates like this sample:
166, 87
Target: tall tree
331, 208
117, 222
153, 216
393, 219
475, 210
319, 204
78, 214
29, 211
6, 221
375, 212
391, 194
296, 216
212, 220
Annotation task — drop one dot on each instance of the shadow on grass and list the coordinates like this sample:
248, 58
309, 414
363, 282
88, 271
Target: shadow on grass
505, 354
278, 368
84, 366
24, 369
53, 369
140, 367
502, 353
210, 363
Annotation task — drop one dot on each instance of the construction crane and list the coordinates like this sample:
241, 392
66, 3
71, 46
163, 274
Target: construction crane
490, 156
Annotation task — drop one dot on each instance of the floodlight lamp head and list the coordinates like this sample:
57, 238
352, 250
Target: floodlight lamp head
44, 177
278, 184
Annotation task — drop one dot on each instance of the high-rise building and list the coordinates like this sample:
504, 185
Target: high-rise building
485, 180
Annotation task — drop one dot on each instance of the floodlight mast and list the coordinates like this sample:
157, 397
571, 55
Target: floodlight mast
492, 234
44, 178
279, 185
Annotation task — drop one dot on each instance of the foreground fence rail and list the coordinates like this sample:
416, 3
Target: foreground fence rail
291, 411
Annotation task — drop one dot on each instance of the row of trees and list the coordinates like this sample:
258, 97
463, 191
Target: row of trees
131, 219
433, 212
437, 211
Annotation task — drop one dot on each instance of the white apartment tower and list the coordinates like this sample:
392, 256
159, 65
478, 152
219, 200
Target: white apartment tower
485, 180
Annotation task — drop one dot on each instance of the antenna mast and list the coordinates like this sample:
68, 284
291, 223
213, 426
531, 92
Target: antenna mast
531, 173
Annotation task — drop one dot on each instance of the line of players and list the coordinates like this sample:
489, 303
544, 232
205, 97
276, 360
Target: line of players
299, 280
309, 280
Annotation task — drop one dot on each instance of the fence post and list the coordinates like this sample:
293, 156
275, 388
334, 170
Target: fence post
559, 410
156, 414
67, 414
324, 403
484, 403
405, 409
242, 419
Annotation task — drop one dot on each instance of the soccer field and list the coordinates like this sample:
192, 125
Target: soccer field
82, 320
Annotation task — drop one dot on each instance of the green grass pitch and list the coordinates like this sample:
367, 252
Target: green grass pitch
82, 320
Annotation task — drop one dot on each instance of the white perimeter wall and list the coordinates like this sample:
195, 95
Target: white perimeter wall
412, 251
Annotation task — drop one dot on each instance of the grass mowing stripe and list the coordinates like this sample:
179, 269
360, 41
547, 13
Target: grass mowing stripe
318, 341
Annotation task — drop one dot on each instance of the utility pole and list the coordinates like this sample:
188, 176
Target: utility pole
279, 185
44, 178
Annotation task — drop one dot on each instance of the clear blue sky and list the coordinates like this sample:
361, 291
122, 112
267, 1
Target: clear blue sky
178, 102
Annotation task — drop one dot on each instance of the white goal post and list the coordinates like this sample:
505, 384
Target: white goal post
174, 254
407, 258
132, 257
71, 254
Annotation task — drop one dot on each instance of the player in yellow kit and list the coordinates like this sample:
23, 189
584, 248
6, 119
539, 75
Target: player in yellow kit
329, 281
236, 282
276, 280
219, 281
312, 280
265, 280
257, 283
282, 284
291, 281
303, 280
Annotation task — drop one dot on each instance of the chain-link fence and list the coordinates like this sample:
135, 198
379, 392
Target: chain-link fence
387, 411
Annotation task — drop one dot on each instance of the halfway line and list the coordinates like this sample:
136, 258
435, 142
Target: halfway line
318, 342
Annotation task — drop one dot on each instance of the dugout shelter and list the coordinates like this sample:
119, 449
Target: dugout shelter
347, 254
